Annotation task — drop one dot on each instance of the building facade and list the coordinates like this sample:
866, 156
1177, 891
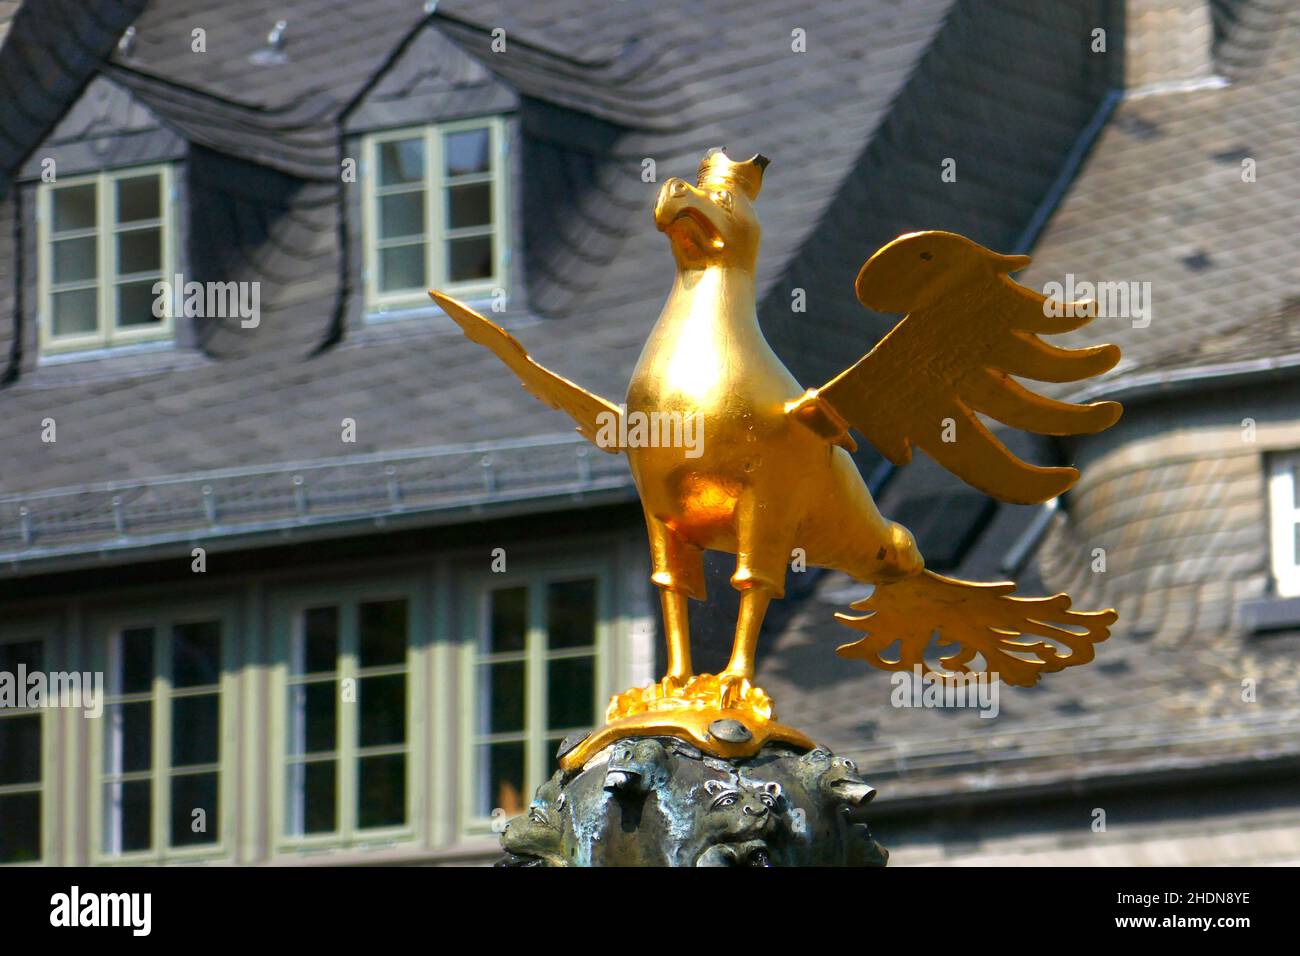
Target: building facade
348, 587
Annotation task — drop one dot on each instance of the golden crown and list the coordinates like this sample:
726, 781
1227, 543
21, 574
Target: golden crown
718, 169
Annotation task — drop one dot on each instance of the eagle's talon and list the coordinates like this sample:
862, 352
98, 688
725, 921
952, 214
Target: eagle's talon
732, 689
670, 685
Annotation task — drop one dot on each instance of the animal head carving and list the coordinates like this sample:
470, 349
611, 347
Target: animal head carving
636, 767
713, 223
538, 835
743, 810
834, 779
739, 822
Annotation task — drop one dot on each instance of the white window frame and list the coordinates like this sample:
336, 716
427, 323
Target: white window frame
535, 654
160, 696
107, 334
1284, 516
287, 622
435, 236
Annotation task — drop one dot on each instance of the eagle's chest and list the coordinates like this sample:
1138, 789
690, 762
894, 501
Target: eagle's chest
728, 391
711, 365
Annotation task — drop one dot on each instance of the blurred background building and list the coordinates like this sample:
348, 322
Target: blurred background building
349, 586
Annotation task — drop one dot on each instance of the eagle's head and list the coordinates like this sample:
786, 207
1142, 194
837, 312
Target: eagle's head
713, 222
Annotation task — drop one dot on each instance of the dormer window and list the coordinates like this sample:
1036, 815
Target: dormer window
105, 244
1284, 516
435, 204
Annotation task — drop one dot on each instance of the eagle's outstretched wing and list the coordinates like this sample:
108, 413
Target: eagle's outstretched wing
591, 412
969, 328
979, 619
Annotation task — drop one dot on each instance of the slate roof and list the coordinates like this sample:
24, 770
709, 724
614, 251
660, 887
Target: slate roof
7, 10
857, 127
242, 100
50, 52
1162, 200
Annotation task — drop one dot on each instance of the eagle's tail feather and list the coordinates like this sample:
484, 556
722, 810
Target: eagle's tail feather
1017, 638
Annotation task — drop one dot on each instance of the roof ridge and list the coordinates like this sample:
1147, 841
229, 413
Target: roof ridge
143, 77
539, 45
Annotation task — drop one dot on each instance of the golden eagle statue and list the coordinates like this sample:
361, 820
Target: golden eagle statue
773, 472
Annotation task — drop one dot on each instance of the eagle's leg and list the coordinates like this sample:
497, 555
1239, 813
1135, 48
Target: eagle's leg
753, 607
762, 551
686, 705
677, 569
678, 633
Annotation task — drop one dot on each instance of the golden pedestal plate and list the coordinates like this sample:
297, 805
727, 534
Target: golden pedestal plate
722, 716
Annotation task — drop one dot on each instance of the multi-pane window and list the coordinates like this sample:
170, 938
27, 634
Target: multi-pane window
535, 682
20, 759
349, 745
105, 244
434, 212
1284, 517
161, 764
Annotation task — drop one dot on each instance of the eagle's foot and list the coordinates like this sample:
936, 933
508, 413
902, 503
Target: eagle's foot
725, 715
725, 691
